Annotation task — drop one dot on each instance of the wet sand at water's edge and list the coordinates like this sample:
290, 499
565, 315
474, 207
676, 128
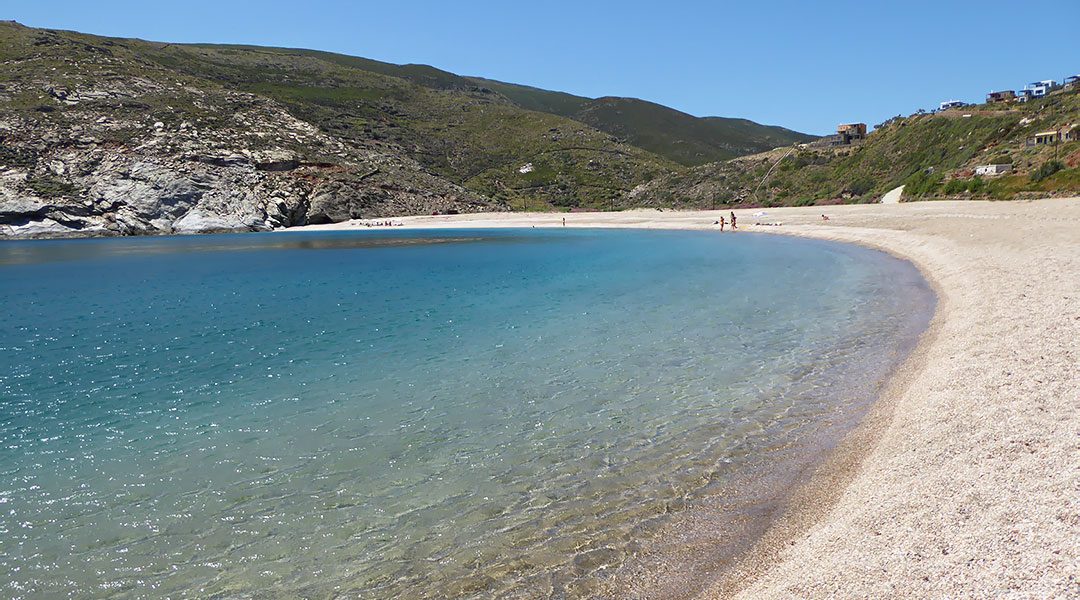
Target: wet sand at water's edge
964, 480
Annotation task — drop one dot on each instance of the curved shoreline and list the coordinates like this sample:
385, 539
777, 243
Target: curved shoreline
810, 501
918, 504
962, 478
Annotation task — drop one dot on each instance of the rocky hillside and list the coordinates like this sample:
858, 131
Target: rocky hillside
932, 155
468, 135
120, 136
98, 139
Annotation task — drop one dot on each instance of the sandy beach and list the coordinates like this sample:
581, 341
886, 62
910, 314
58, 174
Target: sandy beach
964, 481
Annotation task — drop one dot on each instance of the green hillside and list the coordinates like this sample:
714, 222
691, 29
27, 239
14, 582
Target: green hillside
425, 75
481, 133
683, 138
531, 98
517, 146
675, 135
456, 130
933, 155
470, 136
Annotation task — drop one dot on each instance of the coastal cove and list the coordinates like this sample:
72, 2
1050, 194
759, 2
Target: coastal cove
535, 419
479, 301
959, 482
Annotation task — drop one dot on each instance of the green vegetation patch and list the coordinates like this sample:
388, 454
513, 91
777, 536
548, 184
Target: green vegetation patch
51, 186
1046, 170
17, 157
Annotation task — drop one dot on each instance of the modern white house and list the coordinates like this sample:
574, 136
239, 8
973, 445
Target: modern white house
1039, 89
946, 105
991, 170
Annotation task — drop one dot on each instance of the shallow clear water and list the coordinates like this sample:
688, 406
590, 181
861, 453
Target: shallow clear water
407, 414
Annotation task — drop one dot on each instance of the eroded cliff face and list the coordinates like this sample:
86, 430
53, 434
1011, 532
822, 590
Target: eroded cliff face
88, 149
108, 165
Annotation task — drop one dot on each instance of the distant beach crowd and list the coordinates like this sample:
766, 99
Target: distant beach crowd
381, 224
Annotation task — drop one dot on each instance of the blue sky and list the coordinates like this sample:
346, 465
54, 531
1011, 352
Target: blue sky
804, 65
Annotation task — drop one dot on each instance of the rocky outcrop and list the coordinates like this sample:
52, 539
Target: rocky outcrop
86, 152
177, 181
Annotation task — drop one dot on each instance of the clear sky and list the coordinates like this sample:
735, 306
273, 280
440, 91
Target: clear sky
807, 65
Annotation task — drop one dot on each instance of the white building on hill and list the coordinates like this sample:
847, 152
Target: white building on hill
991, 170
1039, 89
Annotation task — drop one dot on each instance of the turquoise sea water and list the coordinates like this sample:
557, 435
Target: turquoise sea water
409, 414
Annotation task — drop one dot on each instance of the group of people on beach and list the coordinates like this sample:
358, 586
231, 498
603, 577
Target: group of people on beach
722, 222
381, 224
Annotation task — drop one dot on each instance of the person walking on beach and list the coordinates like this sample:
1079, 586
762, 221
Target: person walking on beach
564, 221
733, 227
722, 223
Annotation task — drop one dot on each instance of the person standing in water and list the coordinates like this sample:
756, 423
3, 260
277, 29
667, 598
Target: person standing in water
733, 227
